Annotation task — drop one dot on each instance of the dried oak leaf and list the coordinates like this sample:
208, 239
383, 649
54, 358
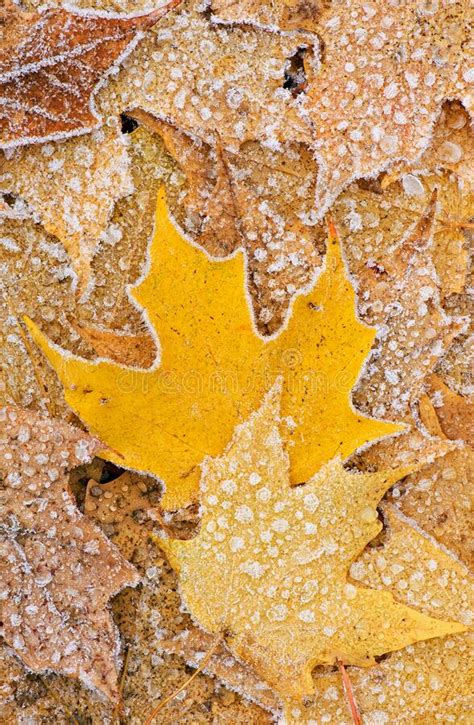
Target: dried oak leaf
260, 199
214, 367
72, 187
208, 79
376, 94
52, 62
58, 570
269, 565
285, 15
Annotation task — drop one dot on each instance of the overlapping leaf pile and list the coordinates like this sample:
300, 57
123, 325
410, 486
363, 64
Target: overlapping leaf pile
256, 392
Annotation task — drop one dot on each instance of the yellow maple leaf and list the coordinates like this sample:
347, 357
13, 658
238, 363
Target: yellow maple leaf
269, 566
215, 368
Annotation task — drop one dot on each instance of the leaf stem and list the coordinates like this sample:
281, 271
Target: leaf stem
356, 718
203, 663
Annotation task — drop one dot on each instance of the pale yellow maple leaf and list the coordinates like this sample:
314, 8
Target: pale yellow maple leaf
434, 673
269, 567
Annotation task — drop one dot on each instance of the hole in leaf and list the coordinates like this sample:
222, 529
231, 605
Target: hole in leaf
128, 124
295, 73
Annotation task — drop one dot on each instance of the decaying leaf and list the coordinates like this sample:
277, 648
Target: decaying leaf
269, 566
455, 413
123, 506
399, 292
58, 570
71, 187
214, 368
378, 91
260, 199
285, 15
131, 350
51, 63
440, 499
207, 79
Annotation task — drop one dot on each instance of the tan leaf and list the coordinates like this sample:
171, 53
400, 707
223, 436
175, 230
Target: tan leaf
384, 76
207, 79
192, 644
131, 350
455, 413
285, 15
72, 187
58, 570
451, 148
259, 199
123, 505
51, 63
400, 294
440, 499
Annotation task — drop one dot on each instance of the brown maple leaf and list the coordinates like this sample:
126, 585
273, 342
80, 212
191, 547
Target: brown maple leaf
52, 62
58, 571
385, 73
207, 78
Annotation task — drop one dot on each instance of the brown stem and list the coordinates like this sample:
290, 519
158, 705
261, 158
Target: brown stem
356, 718
203, 663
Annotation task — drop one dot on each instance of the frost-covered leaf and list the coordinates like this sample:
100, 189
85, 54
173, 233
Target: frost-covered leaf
439, 497
214, 367
399, 292
418, 573
260, 199
212, 80
72, 187
283, 15
384, 75
455, 412
58, 570
270, 563
123, 506
51, 63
